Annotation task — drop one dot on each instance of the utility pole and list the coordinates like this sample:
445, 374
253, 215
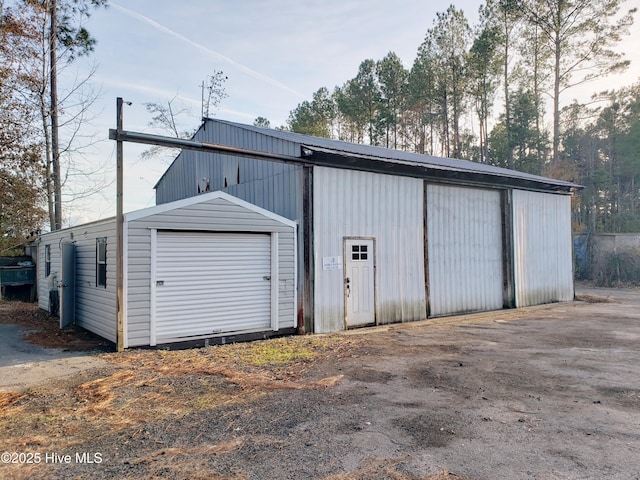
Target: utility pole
119, 232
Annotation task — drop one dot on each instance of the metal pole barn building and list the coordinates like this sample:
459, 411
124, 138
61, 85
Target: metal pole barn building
389, 236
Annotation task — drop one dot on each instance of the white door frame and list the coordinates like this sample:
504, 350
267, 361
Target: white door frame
346, 286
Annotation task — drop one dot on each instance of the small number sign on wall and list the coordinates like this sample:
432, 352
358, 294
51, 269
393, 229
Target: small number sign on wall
332, 263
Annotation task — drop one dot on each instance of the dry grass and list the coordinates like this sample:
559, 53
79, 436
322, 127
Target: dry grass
44, 330
144, 386
588, 298
141, 387
174, 462
7, 399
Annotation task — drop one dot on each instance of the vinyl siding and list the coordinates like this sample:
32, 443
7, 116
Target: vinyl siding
274, 186
95, 306
217, 215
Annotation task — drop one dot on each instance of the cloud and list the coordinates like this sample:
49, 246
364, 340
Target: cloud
147, 90
239, 66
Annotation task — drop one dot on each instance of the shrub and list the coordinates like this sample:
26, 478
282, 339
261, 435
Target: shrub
620, 269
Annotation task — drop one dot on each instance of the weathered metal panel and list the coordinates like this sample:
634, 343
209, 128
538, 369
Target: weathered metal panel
542, 248
207, 215
258, 138
222, 171
464, 230
387, 208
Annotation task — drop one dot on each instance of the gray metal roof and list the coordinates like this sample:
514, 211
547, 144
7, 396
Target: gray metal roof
403, 158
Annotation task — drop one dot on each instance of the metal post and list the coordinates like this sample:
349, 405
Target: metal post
119, 232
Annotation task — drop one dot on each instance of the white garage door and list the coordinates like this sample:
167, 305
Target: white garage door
464, 229
208, 283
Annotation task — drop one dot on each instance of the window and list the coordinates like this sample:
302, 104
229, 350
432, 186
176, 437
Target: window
359, 252
47, 260
101, 262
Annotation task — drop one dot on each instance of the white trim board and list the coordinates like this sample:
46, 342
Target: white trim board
186, 202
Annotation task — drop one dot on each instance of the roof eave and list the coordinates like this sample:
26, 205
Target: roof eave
431, 172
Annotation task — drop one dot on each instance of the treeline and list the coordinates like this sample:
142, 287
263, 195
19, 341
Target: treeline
491, 93
40, 126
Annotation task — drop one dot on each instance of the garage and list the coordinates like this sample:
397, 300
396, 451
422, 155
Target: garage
542, 248
209, 283
207, 269
464, 228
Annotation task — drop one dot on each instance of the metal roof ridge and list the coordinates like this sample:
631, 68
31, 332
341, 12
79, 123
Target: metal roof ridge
395, 155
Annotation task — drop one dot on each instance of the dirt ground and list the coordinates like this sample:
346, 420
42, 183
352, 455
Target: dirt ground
550, 392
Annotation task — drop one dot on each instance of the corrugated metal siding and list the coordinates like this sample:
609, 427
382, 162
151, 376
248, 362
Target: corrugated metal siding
542, 248
388, 208
212, 283
464, 231
95, 306
181, 178
214, 215
238, 131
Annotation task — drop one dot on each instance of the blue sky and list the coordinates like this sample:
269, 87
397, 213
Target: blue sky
276, 53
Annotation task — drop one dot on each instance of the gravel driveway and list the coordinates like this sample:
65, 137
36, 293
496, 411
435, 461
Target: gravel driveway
550, 392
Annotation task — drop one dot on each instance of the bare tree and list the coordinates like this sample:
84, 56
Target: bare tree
169, 118
213, 92
62, 38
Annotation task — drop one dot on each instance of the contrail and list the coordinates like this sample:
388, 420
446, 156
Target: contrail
239, 66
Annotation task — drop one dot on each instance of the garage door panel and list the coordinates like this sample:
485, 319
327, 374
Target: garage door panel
464, 231
193, 303
204, 323
542, 248
230, 288
209, 283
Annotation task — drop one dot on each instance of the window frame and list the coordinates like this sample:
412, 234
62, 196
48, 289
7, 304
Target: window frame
101, 262
47, 260
359, 253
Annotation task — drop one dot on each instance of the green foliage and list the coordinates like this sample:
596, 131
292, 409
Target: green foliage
528, 51
603, 144
315, 117
21, 170
499, 146
358, 103
262, 122
392, 77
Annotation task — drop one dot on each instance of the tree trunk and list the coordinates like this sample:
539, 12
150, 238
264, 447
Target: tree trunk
48, 161
55, 145
507, 109
556, 92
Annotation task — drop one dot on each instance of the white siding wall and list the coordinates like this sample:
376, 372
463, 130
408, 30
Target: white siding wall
388, 208
464, 230
542, 248
217, 215
95, 306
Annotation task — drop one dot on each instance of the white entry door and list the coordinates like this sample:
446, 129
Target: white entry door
359, 289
